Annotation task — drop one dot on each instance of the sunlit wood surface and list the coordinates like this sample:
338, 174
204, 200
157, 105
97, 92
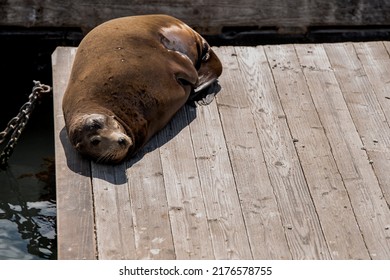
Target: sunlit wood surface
291, 161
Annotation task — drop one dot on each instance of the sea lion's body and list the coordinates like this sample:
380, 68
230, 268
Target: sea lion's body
138, 71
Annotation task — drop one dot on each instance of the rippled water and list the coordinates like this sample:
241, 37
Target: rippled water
27, 194
27, 187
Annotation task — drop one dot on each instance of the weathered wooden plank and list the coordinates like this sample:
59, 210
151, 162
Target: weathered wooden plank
187, 211
365, 108
334, 104
376, 63
321, 172
226, 181
375, 60
153, 236
113, 215
206, 16
374, 131
259, 206
299, 217
75, 222
226, 223
387, 45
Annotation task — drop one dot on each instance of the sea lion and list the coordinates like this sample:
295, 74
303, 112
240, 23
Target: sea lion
129, 77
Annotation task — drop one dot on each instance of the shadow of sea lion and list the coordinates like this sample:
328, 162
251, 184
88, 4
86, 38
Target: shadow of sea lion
116, 174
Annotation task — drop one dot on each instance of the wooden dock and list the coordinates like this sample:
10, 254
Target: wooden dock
291, 161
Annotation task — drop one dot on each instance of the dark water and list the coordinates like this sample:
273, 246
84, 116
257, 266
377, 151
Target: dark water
27, 197
27, 187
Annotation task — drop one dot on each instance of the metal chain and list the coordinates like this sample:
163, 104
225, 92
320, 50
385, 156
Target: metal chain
17, 124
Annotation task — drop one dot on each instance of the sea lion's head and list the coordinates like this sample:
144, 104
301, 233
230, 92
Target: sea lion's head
100, 137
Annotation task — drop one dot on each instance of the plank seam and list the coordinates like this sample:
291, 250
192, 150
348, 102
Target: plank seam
166, 196
200, 184
298, 154
233, 173
330, 146
367, 152
268, 171
133, 216
371, 85
165, 188
384, 114
94, 213
381, 107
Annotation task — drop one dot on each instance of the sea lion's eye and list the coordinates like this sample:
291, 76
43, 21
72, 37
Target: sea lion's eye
95, 141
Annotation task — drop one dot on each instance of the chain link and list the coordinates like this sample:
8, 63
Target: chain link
17, 124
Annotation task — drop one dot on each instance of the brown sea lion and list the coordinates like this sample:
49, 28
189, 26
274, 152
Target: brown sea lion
129, 77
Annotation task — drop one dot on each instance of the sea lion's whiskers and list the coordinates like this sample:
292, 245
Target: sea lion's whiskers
104, 158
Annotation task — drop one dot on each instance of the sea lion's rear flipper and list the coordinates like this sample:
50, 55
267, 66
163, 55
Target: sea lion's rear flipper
204, 96
209, 69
